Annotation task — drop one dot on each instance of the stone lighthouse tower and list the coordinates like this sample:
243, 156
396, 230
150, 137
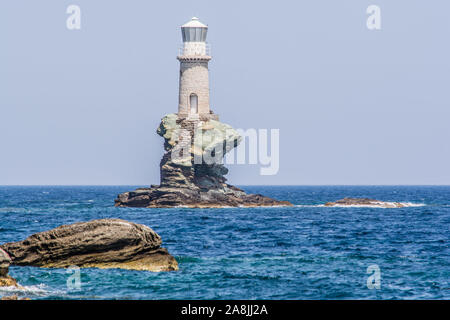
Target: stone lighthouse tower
194, 56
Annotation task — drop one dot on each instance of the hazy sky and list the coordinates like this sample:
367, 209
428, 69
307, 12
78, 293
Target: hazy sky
353, 106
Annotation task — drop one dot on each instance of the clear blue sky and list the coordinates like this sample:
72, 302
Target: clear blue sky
353, 106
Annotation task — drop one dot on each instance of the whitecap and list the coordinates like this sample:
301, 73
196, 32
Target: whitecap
382, 205
35, 290
12, 210
309, 205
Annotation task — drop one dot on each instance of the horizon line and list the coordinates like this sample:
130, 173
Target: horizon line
244, 185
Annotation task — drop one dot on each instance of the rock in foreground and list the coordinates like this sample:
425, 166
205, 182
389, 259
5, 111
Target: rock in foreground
5, 279
192, 174
105, 243
365, 202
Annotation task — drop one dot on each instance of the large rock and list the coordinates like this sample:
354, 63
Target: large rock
106, 243
192, 174
5, 279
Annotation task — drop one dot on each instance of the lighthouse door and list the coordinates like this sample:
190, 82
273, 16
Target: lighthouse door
193, 101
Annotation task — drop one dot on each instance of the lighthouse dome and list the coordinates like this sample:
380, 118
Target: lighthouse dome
194, 31
194, 23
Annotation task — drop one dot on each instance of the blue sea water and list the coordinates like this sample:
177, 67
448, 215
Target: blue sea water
302, 252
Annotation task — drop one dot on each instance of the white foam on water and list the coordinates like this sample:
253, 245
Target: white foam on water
410, 204
36, 290
309, 205
381, 205
33, 291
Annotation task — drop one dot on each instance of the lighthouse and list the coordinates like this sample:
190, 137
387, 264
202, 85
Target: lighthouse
193, 102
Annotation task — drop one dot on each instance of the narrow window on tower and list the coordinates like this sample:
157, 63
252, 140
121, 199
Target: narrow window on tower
193, 102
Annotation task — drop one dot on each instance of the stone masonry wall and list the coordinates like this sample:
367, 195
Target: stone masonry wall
194, 78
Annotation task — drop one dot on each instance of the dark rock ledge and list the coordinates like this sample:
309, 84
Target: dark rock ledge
365, 202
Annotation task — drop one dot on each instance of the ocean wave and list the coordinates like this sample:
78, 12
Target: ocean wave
186, 259
12, 210
382, 205
35, 290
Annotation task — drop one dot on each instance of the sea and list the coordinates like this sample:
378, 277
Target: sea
307, 251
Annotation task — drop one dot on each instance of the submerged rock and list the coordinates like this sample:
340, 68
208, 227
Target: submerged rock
5, 279
348, 202
8, 281
191, 171
105, 243
13, 297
